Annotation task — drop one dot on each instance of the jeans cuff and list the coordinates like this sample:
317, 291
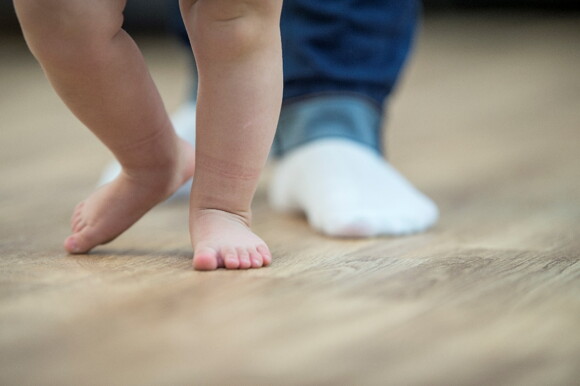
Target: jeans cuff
347, 116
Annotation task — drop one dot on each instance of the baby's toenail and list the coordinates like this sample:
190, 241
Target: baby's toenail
72, 245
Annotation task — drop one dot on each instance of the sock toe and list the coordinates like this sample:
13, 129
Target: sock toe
348, 224
183, 121
110, 173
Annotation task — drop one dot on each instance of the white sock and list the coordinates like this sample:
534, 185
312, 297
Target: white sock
345, 189
184, 123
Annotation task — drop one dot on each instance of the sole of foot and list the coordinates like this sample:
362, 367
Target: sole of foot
114, 207
349, 190
224, 240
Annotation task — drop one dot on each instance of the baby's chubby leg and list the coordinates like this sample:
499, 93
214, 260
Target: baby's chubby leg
98, 71
238, 51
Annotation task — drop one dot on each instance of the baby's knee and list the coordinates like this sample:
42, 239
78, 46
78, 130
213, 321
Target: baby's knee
232, 26
56, 28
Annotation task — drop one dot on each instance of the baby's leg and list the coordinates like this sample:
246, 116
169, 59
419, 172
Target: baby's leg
98, 71
238, 51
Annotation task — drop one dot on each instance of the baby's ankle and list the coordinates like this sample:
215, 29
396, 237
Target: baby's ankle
163, 172
213, 194
161, 149
198, 213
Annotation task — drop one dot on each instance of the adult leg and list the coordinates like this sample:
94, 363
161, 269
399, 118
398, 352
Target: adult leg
341, 60
238, 52
98, 71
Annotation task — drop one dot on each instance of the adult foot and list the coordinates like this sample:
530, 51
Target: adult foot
348, 190
224, 240
183, 121
114, 207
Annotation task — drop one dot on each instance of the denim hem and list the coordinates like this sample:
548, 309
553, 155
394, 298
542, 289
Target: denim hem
334, 93
328, 115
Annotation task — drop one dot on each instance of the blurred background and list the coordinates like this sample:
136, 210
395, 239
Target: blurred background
153, 15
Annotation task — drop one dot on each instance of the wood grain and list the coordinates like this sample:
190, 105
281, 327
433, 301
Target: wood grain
486, 121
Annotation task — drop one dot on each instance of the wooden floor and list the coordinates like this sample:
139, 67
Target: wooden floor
486, 121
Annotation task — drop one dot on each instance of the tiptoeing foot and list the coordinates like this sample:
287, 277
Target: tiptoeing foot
114, 207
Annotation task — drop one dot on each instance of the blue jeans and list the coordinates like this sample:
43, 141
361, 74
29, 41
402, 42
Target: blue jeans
342, 59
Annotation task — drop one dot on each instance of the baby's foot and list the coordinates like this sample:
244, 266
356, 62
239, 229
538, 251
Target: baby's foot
223, 239
114, 207
348, 190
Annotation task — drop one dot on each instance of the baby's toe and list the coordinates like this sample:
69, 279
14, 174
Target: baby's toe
79, 207
256, 258
76, 216
244, 258
70, 244
78, 225
266, 255
205, 259
82, 241
230, 256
